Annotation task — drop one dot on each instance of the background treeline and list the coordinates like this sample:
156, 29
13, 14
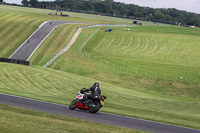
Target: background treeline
112, 8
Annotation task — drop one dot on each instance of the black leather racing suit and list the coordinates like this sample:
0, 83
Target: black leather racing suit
95, 91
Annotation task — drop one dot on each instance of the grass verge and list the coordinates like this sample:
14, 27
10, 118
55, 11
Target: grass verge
61, 87
20, 120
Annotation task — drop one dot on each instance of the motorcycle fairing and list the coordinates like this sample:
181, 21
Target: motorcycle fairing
80, 96
80, 105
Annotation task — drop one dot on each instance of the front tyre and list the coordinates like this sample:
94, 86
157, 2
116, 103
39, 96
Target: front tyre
72, 106
94, 107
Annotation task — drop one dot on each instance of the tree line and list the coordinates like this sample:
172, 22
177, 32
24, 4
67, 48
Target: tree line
118, 9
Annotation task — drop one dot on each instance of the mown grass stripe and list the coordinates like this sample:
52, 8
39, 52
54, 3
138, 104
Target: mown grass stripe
26, 82
110, 43
59, 41
7, 26
128, 44
16, 31
119, 44
4, 81
151, 97
17, 82
9, 80
10, 26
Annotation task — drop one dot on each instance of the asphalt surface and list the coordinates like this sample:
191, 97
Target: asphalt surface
106, 118
25, 51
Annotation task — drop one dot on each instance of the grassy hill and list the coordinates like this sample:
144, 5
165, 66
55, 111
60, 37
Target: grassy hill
156, 52
139, 70
150, 59
15, 120
61, 87
23, 21
18, 23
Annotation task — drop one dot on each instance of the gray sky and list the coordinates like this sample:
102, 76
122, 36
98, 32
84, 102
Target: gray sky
187, 5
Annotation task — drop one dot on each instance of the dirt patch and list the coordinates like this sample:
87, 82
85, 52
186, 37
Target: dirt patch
178, 85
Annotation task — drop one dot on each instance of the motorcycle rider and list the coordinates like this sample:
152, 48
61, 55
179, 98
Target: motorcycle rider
95, 91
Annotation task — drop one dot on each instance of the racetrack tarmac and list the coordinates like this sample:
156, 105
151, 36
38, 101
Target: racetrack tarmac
25, 51
102, 117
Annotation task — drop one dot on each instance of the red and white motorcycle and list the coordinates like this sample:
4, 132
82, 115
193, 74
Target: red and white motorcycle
93, 105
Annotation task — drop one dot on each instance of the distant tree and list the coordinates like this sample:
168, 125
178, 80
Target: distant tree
150, 17
159, 15
33, 3
138, 14
25, 2
1, 1
110, 7
167, 17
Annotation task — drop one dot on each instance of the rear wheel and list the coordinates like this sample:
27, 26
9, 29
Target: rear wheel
94, 107
72, 106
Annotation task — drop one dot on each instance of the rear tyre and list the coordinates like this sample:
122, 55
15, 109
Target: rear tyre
94, 107
72, 106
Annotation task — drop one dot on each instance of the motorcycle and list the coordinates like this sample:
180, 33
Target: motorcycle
93, 105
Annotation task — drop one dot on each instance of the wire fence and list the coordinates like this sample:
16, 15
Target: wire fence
156, 75
76, 35
127, 70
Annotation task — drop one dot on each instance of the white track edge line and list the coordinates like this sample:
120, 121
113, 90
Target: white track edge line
32, 99
101, 112
28, 38
46, 37
150, 121
41, 43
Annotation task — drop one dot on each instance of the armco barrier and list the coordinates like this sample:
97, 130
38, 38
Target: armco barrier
15, 61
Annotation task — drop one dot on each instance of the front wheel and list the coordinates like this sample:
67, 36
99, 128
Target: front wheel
94, 107
72, 106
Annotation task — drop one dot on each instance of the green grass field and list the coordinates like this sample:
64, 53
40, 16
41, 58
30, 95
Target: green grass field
15, 120
18, 23
140, 71
61, 87
162, 52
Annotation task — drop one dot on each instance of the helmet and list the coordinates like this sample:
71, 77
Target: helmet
96, 84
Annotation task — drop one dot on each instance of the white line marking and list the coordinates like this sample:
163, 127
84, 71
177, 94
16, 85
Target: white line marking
27, 39
100, 112
41, 43
33, 99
